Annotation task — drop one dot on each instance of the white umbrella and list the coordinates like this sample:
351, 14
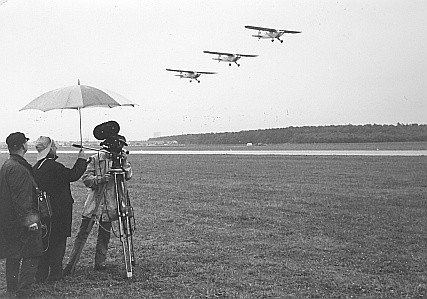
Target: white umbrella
77, 97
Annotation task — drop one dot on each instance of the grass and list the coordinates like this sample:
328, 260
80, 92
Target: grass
213, 226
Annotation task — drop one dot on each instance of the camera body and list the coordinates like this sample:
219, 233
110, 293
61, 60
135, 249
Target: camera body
112, 142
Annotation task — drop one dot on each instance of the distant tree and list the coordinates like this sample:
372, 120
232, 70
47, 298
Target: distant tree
320, 134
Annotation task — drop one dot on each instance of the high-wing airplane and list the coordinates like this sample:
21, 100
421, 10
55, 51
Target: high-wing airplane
270, 33
192, 75
228, 57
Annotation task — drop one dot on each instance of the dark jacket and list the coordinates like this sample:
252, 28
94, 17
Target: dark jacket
55, 178
18, 210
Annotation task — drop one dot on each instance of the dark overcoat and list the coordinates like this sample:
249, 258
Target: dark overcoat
54, 178
18, 210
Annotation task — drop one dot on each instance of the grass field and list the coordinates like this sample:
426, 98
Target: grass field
214, 226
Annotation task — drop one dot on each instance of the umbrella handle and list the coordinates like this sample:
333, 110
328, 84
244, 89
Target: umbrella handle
80, 117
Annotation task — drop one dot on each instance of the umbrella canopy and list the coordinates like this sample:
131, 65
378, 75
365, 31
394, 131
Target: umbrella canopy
77, 97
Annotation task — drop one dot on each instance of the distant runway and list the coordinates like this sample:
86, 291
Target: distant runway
269, 152
290, 153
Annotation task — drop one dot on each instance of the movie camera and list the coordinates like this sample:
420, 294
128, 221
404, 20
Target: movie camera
112, 141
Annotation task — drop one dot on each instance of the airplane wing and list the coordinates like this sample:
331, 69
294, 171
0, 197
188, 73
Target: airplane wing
247, 55
261, 28
289, 31
206, 73
218, 53
271, 29
171, 70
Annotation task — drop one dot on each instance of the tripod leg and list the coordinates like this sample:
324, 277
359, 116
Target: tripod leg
131, 228
133, 262
126, 239
125, 213
78, 247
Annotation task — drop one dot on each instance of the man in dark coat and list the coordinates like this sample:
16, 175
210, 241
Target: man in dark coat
54, 178
20, 236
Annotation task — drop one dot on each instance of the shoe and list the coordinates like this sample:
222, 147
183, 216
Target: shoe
67, 270
10, 293
100, 267
56, 278
23, 294
38, 280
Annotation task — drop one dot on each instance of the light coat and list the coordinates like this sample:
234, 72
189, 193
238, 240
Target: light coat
98, 166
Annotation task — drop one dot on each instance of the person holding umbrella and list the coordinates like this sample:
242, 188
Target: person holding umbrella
54, 178
20, 234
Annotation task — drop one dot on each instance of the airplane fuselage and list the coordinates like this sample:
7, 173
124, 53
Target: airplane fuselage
269, 34
189, 75
227, 58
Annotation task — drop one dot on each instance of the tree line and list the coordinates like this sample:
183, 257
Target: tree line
309, 134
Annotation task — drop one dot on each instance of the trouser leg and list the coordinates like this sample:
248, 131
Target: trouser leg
78, 242
12, 273
27, 275
43, 267
57, 252
102, 242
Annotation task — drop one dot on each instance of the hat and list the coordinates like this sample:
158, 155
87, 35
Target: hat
15, 140
43, 145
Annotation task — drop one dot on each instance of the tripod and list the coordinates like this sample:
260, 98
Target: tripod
126, 220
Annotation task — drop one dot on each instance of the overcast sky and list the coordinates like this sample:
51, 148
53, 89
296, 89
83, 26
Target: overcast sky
355, 62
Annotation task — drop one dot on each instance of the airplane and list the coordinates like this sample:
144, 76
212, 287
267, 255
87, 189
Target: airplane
270, 33
228, 57
189, 74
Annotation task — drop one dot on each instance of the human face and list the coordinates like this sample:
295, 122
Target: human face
25, 147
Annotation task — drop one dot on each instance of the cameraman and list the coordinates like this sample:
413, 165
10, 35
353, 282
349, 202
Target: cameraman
100, 203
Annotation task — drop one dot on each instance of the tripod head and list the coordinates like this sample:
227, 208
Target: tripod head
112, 142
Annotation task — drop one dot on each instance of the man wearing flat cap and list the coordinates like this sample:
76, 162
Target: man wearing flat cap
20, 234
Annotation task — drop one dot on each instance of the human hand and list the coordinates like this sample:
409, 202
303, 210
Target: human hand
106, 178
33, 227
81, 154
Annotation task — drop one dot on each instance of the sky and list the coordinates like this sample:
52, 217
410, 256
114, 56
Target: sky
355, 62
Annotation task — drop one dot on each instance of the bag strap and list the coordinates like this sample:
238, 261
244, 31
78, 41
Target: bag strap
44, 160
33, 181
